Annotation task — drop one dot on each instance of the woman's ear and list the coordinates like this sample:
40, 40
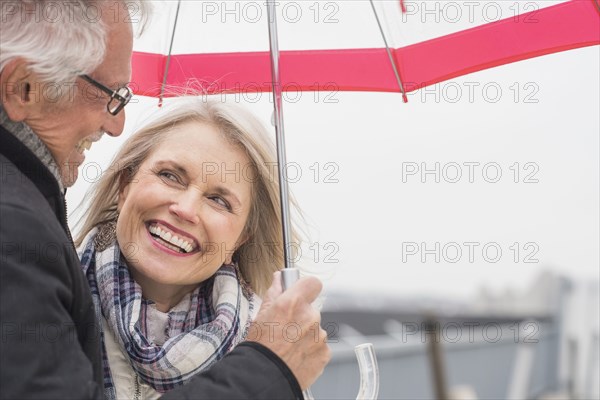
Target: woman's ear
233, 256
243, 239
124, 182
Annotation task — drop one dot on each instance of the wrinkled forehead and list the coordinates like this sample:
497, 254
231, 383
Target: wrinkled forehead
195, 139
115, 69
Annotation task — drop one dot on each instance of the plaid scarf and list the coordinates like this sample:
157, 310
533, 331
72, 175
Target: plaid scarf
217, 320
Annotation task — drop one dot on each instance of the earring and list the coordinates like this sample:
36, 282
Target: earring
233, 259
107, 234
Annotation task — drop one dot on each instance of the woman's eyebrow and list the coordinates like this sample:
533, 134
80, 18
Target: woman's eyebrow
219, 189
172, 164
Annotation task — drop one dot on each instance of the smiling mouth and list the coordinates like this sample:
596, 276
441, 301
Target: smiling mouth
84, 144
171, 241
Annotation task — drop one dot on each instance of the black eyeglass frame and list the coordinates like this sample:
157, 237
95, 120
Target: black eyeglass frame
114, 94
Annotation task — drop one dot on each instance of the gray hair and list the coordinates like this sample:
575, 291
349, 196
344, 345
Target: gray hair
61, 39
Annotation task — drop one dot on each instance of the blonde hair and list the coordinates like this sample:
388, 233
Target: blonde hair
262, 253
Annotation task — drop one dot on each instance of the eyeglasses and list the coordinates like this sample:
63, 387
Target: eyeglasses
118, 98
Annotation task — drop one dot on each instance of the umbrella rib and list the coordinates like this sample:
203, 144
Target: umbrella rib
389, 53
168, 63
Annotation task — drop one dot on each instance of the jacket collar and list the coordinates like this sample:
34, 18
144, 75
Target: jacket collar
39, 174
32, 141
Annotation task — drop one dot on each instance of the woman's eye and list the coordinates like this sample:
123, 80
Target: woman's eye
222, 202
169, 175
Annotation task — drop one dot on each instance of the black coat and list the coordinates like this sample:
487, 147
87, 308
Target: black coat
50, 345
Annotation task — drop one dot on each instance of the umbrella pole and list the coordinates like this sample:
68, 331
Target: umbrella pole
289, 274
168, 64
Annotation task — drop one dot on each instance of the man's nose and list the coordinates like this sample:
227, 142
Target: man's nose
114, 124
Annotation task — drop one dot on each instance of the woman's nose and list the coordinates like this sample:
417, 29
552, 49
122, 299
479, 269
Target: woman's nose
187, 206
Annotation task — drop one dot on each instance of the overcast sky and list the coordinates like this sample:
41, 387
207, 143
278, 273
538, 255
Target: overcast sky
378, 223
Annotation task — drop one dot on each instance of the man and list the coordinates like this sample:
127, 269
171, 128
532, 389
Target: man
64, 67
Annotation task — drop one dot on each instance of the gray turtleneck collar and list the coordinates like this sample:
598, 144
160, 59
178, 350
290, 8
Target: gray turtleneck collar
32, 141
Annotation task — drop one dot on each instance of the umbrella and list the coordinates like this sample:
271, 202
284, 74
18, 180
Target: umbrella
519, 35
170, 57
559, 27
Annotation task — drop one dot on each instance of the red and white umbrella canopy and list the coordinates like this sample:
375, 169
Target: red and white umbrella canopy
376, 177
223, 46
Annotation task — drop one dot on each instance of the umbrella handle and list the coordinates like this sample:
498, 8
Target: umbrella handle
365, 353
369, 371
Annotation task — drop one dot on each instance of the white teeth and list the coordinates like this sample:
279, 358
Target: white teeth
171, 238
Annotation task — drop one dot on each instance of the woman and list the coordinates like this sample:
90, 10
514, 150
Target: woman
177, 243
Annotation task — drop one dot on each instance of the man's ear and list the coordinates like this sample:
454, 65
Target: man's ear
16, 85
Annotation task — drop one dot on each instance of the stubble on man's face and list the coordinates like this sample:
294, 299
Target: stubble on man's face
87, 115
69, 170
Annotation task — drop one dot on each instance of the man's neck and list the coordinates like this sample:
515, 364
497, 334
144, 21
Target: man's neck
24, 133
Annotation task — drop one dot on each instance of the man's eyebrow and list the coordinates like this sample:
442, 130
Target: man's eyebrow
119, 85
111, 85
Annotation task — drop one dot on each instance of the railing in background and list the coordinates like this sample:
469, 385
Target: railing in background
482, 358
